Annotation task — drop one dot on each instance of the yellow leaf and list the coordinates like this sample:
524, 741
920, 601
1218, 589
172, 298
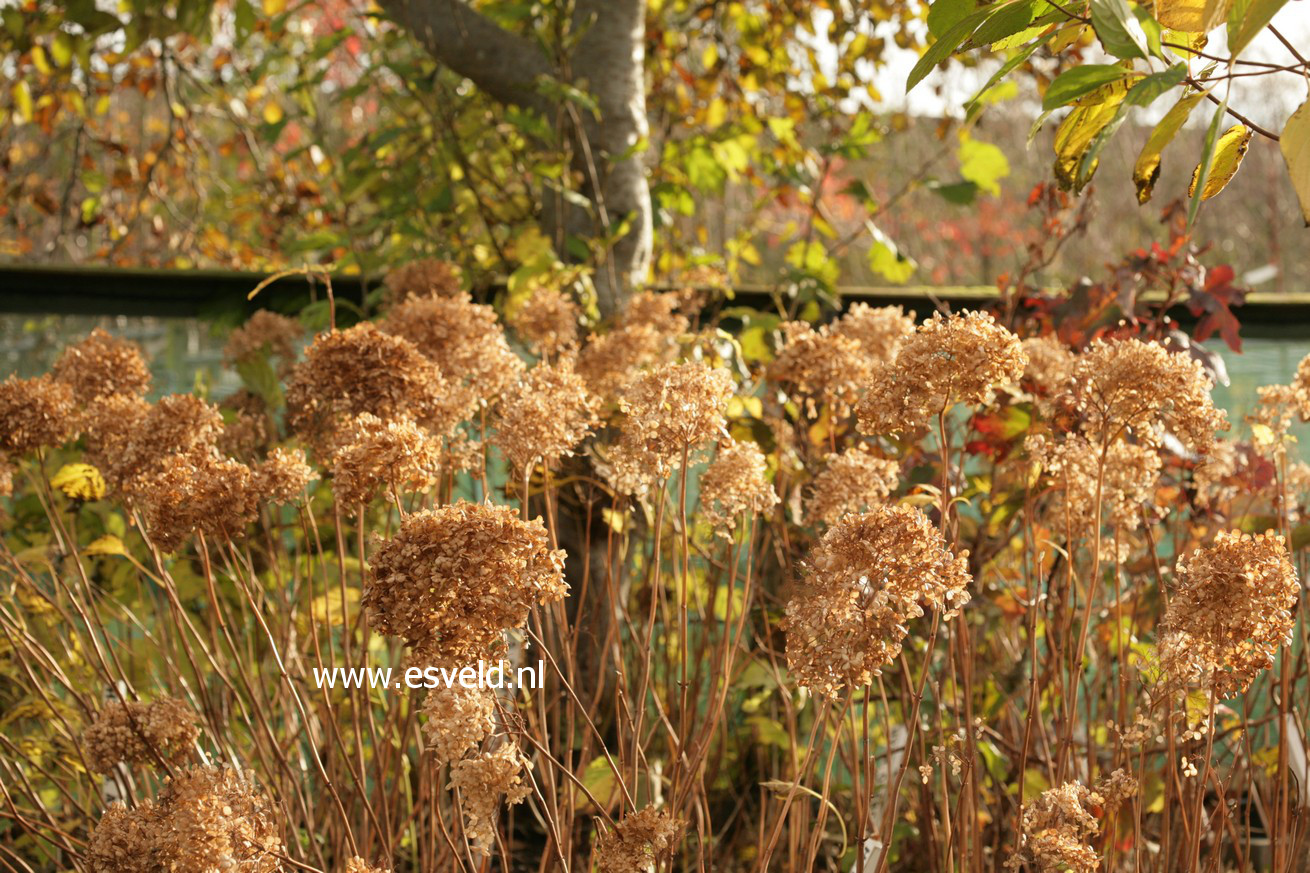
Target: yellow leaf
1228, 154
106, 545
40, 61
80, 482
23, 100
1147, 168
1294, 142
274, 7
1192, 16
1075, 134
272, 113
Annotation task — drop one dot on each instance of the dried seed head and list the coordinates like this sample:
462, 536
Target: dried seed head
397, 454
362, 369
821, 368
458, 719
1140, 387
1278, 406
672, 409
124, 840
609, 362
867, 577
34, 413
134, 733
283, 476
1049, 369
548, 323
1128, 482
854, 480
1231, 609
424, 277
638, 842
466, 342
198, 490
734, 486
102, 365
658, 311
359, 865
1215, 471
264, 333
959, 358
483, 782
880, 330
453, 579
545, 416
1058, 828
248, 427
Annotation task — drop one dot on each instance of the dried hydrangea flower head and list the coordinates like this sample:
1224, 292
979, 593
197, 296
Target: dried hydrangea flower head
483, 782
396, 454
207, 819
362, 369
130, 440
638, 842
671, 410
880, 330
609, 362
1278, 407
656, 310
545, 416
424, 277
548, 323
869, 575
359, 865
1049, 369
248, 428
1142, 387
1215, 471
466, 342
1231, 608
264, 333
197, 491
34, 413
853, 480
1058, 828
102, 365
135, 733
458, 719
821, 368
453, 579
1070, 465
283, 476
960, 358
735, 485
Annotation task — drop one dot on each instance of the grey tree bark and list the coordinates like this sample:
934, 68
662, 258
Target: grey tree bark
608, 63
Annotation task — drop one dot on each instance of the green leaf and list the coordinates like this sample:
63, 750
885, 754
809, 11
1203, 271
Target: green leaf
945, 14
1018, 58
983, 164
1079, 81
1246, 19
885, 259
943, 47
959, 193
1145, 92
1118, 29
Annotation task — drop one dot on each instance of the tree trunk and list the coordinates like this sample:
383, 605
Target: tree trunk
609, 63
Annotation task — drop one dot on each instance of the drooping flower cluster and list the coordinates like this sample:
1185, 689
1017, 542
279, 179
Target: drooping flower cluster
869, 575
453, 579
545, 416
200, 491
548, 323
1127, 385
821, 368
396, 454
207, 819
638, 842
458, 719
1230, 611
139, 733
854, 480
34, 413
960, 358
423, 278
735, 485
483, 782
102, 365
264, 333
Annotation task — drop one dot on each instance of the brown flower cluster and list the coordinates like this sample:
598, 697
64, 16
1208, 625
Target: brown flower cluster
102, 365
135, 733
424, 277
130, 440
458, 719
199, 491
396, 454
548, 323
960, 358
264, 333
1058, 828
736, 484
880, 330
1142, 387
1128, 481
248, 427
453, 579
34, 413
867, 577
671, 409
638, 842
1231, 608
466, 342
1049, 369
821, 368
362, 369
545, 416
207, 820
854, 480
483, 781
283, 476
647, 334
359, 865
